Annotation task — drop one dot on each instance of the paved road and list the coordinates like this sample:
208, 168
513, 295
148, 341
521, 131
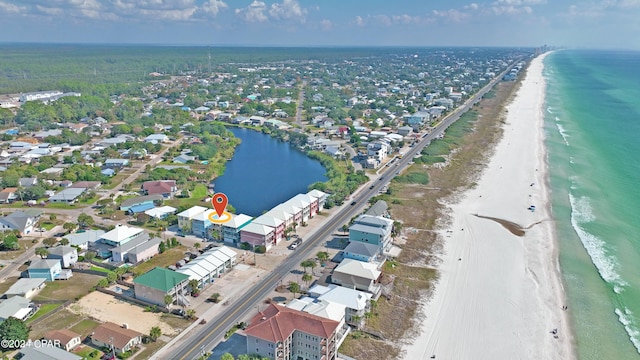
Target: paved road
300, 102
207, 336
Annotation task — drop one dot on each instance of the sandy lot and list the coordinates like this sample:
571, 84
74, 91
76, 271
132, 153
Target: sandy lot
105, 307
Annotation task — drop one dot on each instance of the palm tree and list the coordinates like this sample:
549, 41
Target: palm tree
307, 278
345, 228
155, 333
305, 264
191, 314
196, 246
323, 256
168, 300
42, 252
294, 287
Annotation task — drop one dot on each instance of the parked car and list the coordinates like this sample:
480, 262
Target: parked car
295, 244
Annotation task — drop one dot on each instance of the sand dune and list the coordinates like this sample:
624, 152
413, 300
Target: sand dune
500, 294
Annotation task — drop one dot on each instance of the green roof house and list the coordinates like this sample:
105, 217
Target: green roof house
153, 286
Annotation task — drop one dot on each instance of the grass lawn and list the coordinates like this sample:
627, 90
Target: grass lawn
84, 327
77, 286
90, 200
85, 352
47, 225
62, 319
165, 259
44, 309
176, 322
197, 194
149, 349
62, 206
101, 269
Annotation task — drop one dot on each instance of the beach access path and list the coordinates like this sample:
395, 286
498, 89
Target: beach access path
499, 295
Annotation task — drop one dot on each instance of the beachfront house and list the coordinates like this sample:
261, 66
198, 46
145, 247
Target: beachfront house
372, 229
357, 275
281, 333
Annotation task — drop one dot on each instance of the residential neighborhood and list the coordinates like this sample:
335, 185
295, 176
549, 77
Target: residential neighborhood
110, 247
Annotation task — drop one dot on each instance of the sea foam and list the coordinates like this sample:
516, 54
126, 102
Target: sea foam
581, 214
563, 133
625, 319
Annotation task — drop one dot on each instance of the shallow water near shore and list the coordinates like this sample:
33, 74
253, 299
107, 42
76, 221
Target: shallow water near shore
592, 125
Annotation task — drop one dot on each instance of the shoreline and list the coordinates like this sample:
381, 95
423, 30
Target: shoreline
500, 293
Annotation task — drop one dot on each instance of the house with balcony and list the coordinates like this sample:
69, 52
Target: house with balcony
48, 269
357, 303
231, 229
209, 265
67, 255
365, 252
280, 333
302, 204
200, 223
22, 221
279, 212
358, 275
257, 235
185, 217
374, 230
320, 196
153, 286
311, 200
273, 222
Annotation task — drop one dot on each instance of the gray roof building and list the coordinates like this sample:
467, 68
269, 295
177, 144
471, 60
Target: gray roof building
25, 287
363, 249
83, 239
67, 195
46, 352
378, 209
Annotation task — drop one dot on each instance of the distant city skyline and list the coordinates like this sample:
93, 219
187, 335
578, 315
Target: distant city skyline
587, 24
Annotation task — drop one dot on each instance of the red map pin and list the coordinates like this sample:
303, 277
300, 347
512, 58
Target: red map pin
219, 202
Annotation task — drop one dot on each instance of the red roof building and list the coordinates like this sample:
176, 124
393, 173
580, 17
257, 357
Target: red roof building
166, 188
278, 333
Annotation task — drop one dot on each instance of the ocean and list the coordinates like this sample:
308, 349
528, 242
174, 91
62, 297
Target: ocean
592, 128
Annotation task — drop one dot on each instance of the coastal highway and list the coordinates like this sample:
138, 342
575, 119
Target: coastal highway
206, 336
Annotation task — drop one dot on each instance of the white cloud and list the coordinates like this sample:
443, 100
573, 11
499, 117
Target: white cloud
10, 8
453, 15
472, 6
138, 10
359, 21
255, 12
288, 10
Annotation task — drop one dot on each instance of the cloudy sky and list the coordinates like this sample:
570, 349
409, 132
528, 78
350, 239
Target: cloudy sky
573, 23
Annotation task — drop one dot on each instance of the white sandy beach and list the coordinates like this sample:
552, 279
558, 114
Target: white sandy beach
505, 296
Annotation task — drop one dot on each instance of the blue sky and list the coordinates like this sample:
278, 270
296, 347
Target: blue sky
576, 23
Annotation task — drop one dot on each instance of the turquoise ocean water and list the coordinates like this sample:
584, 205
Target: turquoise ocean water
592, 124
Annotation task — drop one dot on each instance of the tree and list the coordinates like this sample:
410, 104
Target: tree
345, 228
69, 226
227, 356
312, 264
168, 300
162, 247
155, 333
15, 331
64, 241
103, 283
294, 287
193, 284
196, 245
323, 256
42, 252
85, 220
48, 242
10, 242
90, 255
307, 278
120, 271
191, 314
52, 217
305, 264
111, 277
215, 297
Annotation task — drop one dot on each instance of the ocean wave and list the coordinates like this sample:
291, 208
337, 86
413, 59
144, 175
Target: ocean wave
549, 110
633, 332
563, 133
582, 213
